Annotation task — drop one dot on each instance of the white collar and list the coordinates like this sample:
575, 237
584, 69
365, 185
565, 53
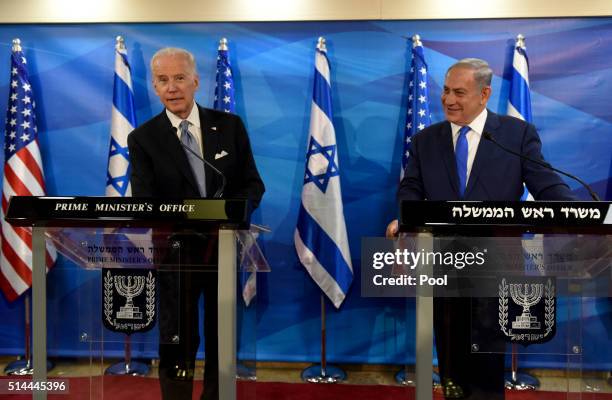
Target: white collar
477, 125
193, 117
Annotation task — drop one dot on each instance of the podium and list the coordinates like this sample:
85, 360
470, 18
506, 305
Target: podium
151, 235
524, 257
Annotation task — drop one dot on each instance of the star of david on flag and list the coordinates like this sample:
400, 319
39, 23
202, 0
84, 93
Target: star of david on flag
123, 121
321, 166
417, 115
320, 237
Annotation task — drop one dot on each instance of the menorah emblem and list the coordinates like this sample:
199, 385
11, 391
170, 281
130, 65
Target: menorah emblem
526, 295
129, 287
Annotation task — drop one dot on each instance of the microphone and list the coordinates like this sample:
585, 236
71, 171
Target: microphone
544, 164
219, 191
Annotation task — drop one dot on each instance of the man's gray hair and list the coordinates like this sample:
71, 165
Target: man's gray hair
176, 51
482, 72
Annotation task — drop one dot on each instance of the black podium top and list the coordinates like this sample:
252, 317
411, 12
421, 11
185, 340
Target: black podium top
534, 216
127, 211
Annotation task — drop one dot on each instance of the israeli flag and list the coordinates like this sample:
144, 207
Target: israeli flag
320, 237
123, 121
519, 100
519, 106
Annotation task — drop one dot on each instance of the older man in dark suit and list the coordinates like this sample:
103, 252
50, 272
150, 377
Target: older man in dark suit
451, 160
165, 157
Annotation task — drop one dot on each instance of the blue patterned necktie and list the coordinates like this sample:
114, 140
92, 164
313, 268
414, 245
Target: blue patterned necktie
461, 156
197, 166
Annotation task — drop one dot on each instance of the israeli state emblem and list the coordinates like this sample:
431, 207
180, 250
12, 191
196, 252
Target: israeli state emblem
129, 299
527, 310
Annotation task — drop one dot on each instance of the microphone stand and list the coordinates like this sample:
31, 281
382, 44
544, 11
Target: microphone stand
219, 191
544, 164
515, 380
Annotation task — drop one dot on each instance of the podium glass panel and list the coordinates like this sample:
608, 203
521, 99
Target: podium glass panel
138, 291
251, 262
118, 273
539, 308
521, 293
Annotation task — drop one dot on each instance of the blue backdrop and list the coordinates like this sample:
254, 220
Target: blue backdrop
71, 69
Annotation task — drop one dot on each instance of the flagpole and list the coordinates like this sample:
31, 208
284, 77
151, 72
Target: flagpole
322, 201
224, 101
222, 44
417, 118
126, 366
24, 366
519, 381
404, 376
515, 380
323, 337
323, 373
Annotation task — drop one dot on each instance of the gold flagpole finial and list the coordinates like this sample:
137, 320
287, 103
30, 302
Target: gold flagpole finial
120, 43
321, 44
223, 44
520, 41
16, 45
416, 41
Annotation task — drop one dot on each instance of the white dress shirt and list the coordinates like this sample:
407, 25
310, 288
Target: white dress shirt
194, 125
473, 138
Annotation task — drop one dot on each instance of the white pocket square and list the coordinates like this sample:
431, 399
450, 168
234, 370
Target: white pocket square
220, 155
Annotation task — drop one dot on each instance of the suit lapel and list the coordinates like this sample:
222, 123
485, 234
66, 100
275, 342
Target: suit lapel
169, 141
210, 143
447, 152
483, 153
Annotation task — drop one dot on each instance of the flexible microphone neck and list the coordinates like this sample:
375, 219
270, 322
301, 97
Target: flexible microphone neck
219, 191
544, 164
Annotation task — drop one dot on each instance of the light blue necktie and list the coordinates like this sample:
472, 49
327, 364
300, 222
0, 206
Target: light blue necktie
197, 166
461, 156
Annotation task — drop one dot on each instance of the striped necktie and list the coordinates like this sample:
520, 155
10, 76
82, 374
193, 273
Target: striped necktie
461, 157
197, 166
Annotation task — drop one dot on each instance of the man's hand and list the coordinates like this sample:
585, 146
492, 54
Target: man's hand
392, 229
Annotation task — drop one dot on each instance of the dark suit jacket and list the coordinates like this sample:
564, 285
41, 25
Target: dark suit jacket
160, 167
496, 175
431, 172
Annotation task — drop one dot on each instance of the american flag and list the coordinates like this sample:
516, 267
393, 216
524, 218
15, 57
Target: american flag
23, 176
224, 87
418, 116
224, 101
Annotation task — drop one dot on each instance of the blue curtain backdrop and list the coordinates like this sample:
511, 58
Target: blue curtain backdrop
71, 69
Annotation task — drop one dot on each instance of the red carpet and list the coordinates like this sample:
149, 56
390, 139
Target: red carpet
136, 388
